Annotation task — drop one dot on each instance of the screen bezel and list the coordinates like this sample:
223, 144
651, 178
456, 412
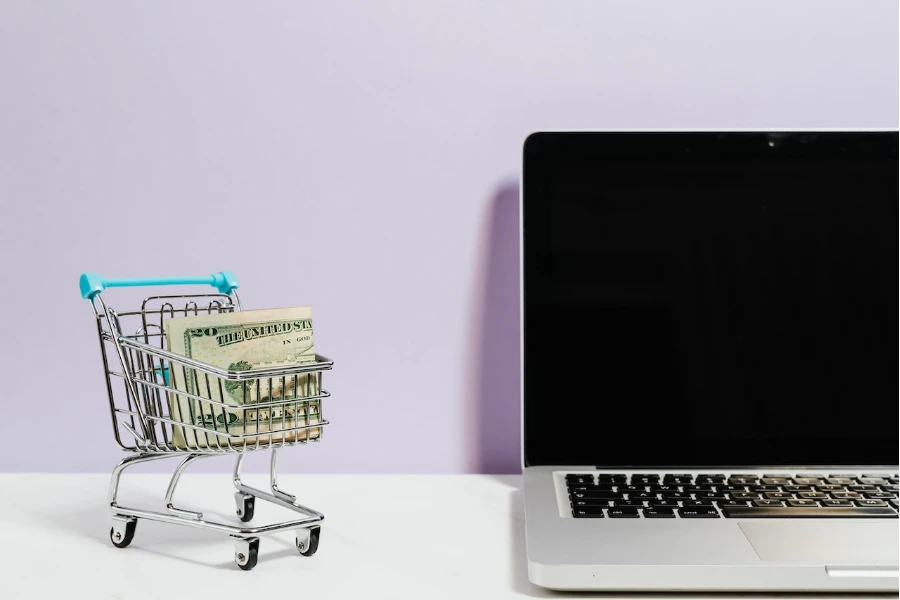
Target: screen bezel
541, 149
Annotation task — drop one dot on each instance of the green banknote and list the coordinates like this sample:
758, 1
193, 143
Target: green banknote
242, 341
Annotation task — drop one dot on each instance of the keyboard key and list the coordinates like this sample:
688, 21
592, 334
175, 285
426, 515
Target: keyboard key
746, 495
811, 475
806, 480
843, 475
871, 502
676, 496
588, 484
778, 495
632, 488
587, 513
742, 480
693, 503
629, 503
698, 512
813, 495
642, 496
879, 495
830, 488
732, 488
678, 479
895, 503
581, 488
878, 475
765, 488
872, 480
776, 481
890, 488
691, 489
796, 489
607, 478
663, 503
837, 503
623, 513
709, 496
845, 495
802, 503
796, 511
587, 503
710, 479
767, 502
643, 482
644, 479
840, 480
659, 513
732, 503
594, 496
862, 488
665, 488
574, 478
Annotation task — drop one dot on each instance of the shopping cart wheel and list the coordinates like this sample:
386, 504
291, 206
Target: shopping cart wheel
308, 542
246, 553
122, 531
245, 505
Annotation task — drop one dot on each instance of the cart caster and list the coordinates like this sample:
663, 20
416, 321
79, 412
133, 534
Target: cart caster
308, 541
246, 552
122, 531
245, 505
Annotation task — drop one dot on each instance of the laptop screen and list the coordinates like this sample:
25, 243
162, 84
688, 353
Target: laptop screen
710, 299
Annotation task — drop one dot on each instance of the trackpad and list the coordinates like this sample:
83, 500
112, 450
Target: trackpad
828, 543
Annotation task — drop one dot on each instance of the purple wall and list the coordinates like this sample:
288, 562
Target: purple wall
380, 138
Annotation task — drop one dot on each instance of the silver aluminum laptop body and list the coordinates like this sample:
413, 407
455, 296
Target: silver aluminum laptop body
586, 428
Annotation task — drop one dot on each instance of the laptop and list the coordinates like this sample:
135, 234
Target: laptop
710, 360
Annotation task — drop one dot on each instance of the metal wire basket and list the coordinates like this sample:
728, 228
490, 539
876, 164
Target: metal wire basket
154, 418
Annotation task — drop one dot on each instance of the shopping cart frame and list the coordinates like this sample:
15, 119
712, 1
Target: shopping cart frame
144, 410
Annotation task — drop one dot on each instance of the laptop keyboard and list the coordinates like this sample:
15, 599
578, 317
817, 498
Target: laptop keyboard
742, 495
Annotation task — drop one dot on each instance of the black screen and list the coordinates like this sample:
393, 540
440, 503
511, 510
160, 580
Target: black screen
711, 299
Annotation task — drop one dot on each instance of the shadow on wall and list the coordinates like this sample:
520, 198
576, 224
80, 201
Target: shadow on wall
497, 401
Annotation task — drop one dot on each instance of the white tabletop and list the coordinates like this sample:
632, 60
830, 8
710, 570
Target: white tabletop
384, 536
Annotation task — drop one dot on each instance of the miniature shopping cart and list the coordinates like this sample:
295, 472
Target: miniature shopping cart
140, 379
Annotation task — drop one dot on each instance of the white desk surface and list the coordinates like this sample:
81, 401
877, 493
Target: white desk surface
384, 536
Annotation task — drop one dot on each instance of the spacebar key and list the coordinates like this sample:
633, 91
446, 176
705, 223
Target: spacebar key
825, 512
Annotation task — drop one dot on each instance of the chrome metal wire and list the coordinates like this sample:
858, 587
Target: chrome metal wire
152, 406
149, 420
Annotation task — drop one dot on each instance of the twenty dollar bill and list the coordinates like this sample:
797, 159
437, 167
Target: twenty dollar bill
241, 341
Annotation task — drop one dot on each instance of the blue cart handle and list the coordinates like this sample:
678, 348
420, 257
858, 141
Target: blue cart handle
92, 284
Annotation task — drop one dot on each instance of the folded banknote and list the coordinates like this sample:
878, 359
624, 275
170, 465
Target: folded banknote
241, 341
